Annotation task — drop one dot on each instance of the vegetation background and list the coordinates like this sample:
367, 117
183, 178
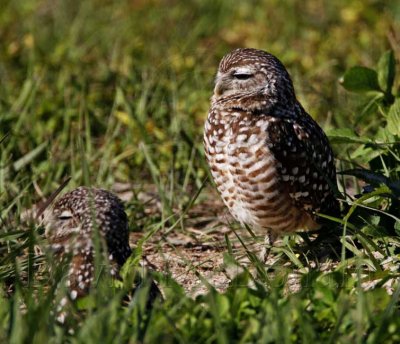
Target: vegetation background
116, 93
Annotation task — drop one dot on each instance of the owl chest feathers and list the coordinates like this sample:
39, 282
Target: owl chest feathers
245, 172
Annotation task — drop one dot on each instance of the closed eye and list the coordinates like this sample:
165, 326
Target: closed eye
242, 76
65, 215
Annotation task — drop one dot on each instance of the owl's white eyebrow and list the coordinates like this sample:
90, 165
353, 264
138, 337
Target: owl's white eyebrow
242, 71
65, 214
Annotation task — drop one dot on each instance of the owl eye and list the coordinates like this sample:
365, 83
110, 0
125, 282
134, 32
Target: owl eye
242, 76
65, 215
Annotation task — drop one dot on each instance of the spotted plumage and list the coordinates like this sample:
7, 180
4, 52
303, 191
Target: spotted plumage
71, 226
270, 161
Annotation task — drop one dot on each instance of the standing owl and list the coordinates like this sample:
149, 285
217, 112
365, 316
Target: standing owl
71, 226
271, 162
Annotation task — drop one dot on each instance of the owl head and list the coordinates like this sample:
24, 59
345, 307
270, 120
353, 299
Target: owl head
252, 72
63, 222
76, 213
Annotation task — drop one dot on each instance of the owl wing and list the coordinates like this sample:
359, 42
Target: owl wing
305, 163
114, 226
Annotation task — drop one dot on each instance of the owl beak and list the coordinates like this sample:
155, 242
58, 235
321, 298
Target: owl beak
220, 87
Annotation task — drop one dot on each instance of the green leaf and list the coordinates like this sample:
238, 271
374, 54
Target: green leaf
397, 227
345, 135
360, 79
86, 302
364, 154
393, 119
27, 158
386, 71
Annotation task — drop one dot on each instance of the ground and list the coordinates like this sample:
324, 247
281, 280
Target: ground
197, 252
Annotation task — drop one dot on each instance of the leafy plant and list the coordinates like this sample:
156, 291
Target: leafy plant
377, 148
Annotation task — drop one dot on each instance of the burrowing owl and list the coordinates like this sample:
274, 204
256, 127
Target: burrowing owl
70, 228
270, 160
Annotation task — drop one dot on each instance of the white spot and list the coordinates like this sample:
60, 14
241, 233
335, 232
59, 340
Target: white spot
243, 156
253, 139
61, 318
302, 179
241, 137
63, 301
74, 294
295, 170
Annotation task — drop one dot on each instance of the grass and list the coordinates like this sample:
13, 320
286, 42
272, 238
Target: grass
116, 92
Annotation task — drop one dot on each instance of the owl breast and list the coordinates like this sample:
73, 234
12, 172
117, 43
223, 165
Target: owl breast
246, 174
